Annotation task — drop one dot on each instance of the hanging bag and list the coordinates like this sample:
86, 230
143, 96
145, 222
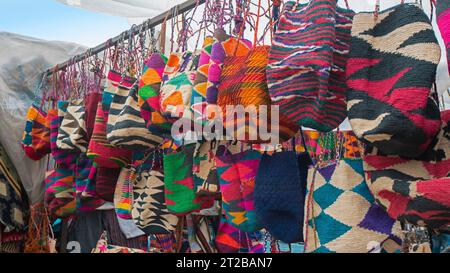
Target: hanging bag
85, 180
72, 134
60, 197
393, 59
36, 136
204, 170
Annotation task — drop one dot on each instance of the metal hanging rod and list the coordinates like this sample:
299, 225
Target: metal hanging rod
150, 23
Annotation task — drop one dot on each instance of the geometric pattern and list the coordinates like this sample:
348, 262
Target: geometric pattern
36, 135
443, 22
342, 214
72, 134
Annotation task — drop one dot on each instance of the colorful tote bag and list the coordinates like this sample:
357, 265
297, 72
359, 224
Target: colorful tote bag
237, 173
204, 170
230, 239
85, 175
104, 247
443, 22
180, 193
342, 215
91, 103
392, 67
306, 71
60, 197
129, 130
414, 190
36, 136
149, 87
72, 134
100, 150
123, 198
178, 82
198, 98
105, 183
280, 192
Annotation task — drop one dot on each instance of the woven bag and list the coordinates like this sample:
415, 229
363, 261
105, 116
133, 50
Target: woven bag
123, 194
104, 247
204, 171
60, 196
414, 190
37, 239
36, 136
91, 103
306, 71
392, 67
129, 130
342, 215
105, 182
100, 150
230, 239
149, 90
85, 176
443, 22
72, 134
237, 173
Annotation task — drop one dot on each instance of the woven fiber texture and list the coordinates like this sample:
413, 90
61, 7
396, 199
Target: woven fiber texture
129, 129
60, 197
72, 134
123, 199
36, 135
149, 87
230, 239
100, 150
91, 103
85, 175
342, 214
414, 190
280, 195
443, 22
206, 180
307, 61
237, 173
106, 181
391, 69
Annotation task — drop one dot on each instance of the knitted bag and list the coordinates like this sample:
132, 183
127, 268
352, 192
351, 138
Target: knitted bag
149, 87
36, 136
105, 183
72, 134
280, 192
341, 212
443, 22
60, 197
414, 190
149, 205
85, 174
91, 103
104, 247
237, 174
66, 159
123, 194
198, 98
100, 150
206, 180
392, 66
306, 71
178, 82
230, 239
129, 130
180, 192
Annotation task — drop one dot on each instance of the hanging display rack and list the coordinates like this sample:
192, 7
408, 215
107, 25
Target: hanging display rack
150, 23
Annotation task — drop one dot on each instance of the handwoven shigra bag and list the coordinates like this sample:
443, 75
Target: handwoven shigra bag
85, 176
105, 182
100, 150
129, 130
204, 170
237, 173
36, 136
72, 134
179, 192
149, 87
443, 22
341, 213
123, 194
230, 239
91, 103
306, 71
414, 190
392, 66
60, 197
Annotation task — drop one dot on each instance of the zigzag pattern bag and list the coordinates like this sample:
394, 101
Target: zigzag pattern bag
36, 136
72, 134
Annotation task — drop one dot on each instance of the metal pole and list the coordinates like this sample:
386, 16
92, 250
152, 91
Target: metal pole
155, 21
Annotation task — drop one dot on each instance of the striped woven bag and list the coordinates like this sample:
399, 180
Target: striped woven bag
72, 134
60, 197
392, 67
123, 194
100, 150
443, 22
306, 71
85, 174
36, 136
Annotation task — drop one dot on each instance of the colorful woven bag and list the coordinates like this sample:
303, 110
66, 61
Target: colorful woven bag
414, 190
100, 150
306, 71
36, 136
92, 101
104, 247
342, 215
443, 22
149, 87
72, 134
129, 129
392, 67
229, 239
180, 192
204, 171
105, 183
237, 173
123, 194
60, 197
178, 83
85, 174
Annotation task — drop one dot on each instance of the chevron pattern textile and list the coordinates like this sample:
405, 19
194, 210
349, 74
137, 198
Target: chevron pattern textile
36, 135
72, 134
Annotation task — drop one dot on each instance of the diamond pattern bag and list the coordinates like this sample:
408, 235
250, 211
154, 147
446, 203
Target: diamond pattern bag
72, 134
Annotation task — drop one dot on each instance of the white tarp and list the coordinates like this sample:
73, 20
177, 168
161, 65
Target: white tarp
22, 60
